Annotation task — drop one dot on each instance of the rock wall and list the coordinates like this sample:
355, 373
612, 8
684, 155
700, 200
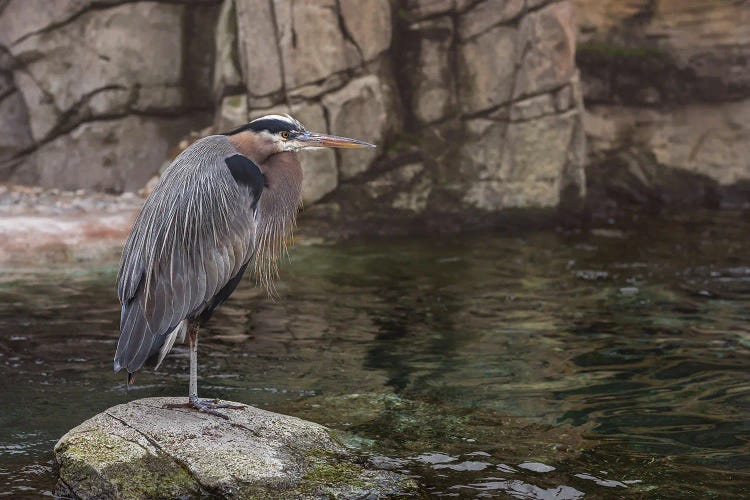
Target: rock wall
93, 94
667, 93
474, 104
457, 95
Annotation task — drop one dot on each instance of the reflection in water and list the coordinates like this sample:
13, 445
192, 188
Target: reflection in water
518, 489
546, 366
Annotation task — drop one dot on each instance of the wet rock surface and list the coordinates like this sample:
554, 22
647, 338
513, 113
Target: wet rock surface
153, 447
667, 94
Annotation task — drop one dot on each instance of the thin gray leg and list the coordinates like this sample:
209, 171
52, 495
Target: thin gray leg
193, 400
193, 339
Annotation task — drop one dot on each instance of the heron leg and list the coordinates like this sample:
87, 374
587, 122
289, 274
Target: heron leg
193, 342
193, 401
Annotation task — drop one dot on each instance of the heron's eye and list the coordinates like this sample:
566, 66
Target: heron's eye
285, 135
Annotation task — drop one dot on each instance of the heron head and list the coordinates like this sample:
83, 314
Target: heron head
273, 134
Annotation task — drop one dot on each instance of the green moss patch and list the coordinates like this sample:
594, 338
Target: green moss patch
109, 466
335, 474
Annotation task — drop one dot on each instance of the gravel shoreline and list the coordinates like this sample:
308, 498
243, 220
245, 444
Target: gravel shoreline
39, 226
31, 200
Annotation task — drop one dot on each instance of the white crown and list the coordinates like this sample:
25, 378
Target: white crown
284, 118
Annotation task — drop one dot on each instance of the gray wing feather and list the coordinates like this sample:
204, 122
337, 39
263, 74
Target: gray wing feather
193, 235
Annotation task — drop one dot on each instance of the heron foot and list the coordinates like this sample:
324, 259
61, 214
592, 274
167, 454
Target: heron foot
210, 407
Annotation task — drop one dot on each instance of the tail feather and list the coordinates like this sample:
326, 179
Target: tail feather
136, 339
177, 332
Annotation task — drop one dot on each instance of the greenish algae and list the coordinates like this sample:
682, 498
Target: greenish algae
93, 456
323, 473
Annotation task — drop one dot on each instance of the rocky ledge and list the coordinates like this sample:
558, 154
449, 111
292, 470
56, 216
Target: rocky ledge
155, 448
41, 226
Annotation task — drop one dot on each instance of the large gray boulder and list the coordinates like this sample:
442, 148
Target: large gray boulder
157, 448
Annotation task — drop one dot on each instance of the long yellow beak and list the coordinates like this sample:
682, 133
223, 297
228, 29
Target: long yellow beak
313, 140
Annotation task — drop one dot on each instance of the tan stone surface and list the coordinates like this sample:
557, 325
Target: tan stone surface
487, 69
259, 57
677, 91
709, 139
358, 110
311, 42
154, 448
369, 23
109, 87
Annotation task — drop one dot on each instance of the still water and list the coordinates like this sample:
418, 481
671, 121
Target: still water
542, 365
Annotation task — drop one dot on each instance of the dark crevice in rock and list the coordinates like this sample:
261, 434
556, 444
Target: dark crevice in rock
513, 22
65, 491
148, 438
345, 76
277, 47
226, 23
9, 166
93, 6
567, 112
500, 24
487, 112
454, 69
630, 67
7, 93
345, 32
73, 116
631, 177
384, 166
277, 97
571, 208
77, 115
407, 12
518, 62
48, 97
199, 53
22, 138
404, 52
99, 118
539, 5
643, 15
163, 452
100, 5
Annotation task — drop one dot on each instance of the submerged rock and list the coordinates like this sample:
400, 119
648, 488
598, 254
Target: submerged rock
155, 448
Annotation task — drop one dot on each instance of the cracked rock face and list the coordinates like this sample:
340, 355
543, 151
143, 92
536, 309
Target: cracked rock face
96, 91
667, 92
154, 448
484, 94
414, 77
85, 73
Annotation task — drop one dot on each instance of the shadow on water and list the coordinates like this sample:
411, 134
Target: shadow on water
541, 366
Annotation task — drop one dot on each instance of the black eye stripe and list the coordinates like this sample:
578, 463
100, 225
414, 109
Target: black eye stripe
270, 125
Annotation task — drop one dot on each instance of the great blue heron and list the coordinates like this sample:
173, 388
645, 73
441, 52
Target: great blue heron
226, 201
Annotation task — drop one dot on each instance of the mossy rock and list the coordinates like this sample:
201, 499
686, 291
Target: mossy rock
153, 448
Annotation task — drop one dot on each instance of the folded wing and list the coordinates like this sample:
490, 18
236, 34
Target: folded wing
187, 251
